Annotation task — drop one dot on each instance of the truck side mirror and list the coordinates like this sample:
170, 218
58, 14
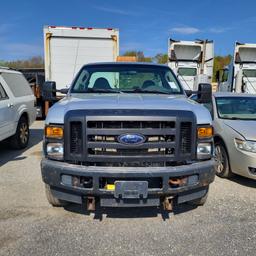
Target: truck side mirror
49, 90
188, 92
64, 90
204, 93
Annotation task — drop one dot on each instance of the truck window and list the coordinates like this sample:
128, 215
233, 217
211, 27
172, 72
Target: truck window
17, 84
187, 52
127, 78
187, 71
3, 94
249, 72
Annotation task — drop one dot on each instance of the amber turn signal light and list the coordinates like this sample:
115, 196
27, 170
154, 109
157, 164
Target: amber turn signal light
204, 132
54, 132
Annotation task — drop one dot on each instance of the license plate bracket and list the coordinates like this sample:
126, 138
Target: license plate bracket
131, 189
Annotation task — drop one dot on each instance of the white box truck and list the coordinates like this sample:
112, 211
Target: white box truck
67, 49
191, 61
240, 75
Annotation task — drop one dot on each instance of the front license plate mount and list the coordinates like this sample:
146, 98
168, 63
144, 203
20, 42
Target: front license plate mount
131, 189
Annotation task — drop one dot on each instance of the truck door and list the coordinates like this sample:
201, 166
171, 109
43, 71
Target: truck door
5, 113
208, 59
225, 79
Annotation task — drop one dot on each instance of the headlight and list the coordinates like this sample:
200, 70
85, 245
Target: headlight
246, 145
55, 150
204, 150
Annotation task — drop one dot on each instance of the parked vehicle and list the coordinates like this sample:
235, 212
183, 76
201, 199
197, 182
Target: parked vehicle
67, 49
240, 75
127, 134
191, 61
234, 122
17, 110
36, 79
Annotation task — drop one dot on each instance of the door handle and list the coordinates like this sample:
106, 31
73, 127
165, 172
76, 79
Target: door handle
10, 105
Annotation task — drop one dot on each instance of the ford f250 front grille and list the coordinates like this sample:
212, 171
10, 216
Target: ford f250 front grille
168, 137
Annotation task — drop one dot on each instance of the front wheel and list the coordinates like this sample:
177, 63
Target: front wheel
222, 162
21, 138
54, 201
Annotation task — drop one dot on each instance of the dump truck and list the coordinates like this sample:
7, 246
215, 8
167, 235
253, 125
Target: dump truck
240, 75
191, 61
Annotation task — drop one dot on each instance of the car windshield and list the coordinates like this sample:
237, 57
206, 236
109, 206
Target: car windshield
240, 108
126, 79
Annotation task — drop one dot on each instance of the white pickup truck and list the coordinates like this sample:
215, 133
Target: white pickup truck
127, 135
17, 110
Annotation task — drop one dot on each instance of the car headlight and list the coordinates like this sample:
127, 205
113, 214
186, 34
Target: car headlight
204, 150
55, 151
246, 145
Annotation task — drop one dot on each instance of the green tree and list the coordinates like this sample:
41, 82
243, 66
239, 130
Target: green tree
139, 55
161, 58
34, 62
219, 63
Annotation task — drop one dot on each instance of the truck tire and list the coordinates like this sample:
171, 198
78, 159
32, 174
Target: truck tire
222, 168
54, 201
21, 138
200, 201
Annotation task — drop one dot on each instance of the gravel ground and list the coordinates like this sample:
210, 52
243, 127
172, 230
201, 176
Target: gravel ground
30, 226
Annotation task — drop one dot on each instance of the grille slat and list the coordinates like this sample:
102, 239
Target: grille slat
120, 131
116, 145
75, 137
185, 137
131, 124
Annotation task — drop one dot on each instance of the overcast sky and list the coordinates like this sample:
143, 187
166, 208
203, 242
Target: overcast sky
144, 25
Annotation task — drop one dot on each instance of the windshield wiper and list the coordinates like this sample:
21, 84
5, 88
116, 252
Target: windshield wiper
140, 90
94, 90
237, 118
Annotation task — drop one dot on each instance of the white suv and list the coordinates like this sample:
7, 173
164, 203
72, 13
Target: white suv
17, 110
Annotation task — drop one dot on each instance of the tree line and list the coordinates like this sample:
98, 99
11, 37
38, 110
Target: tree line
33, 62
38, 62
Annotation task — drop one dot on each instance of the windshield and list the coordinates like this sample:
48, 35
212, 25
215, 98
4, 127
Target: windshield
126, 79
187, 71
249, 72
243, 108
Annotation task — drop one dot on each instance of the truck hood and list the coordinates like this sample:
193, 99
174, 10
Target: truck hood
243, 127
126, 101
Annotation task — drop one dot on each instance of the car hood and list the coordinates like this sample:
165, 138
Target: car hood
246, 128
126, 101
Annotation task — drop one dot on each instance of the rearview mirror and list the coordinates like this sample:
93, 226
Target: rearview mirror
49, 90
204, 93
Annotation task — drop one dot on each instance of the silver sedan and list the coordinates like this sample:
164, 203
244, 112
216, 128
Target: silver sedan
234, 122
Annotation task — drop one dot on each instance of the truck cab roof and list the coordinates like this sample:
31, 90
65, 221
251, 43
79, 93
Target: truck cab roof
126, 63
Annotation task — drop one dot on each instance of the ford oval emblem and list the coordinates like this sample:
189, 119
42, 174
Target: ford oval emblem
131, 139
